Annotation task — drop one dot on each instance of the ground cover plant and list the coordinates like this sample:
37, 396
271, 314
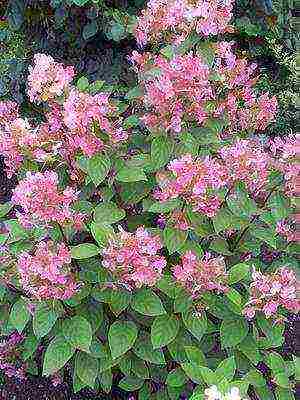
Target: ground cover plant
150, 241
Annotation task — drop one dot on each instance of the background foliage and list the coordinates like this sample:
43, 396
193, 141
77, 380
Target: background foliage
154, 342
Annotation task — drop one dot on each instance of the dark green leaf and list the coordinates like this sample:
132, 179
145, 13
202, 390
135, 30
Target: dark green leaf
44, 318
57, 354
19, 315
146, 302
233, 332
164, 330
78, 332
121, 337
108, 213
98, 167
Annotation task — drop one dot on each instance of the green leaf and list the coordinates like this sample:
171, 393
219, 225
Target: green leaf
78, 332
80, 2
57, 354
121, 337
98, 167
195, 324
174, 239
87, 368
84, 250
28, 347
222, 220
90, 30
249, 348
82, 83
146, 302
238, 272
164, 330
119, 301
233, 332
144, 350
195, 355
284, 394
102, 233
165, 207
275, 362
108, 213
265, 234
241, 204
19, 315
5, 209
44, 318
176, 378
255, 378
134, 93
106, 380
282, 380
226, 369
274, 333
131, 383
131, 174
160, 152
182, 302
279, 205
220, 246
235, 301
193, 371
117, 32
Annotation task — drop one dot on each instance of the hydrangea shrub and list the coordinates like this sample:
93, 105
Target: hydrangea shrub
150, 242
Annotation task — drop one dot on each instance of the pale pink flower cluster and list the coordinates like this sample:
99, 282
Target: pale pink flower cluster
43, 203
174, 20
133, 258
199, 276
11, 363
213, 393
197, 181
269, 292
48, 79
9, 111
45, 274
177, 92
74, 123
286, 153
18, 138
83, 115
285, 229
248, 162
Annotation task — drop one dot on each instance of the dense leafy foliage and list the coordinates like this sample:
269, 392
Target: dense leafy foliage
150, 242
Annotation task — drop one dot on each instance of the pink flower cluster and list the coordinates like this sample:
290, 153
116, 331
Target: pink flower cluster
285, 229
286, 154
268, 292
199, 276
43, 203
174, 20
197, 181
48, 79
185, 90
74, 123
18, 138
11, 363
133, 258
83, 115
46, 273
248, 162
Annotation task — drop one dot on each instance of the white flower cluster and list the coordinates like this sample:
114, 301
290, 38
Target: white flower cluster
213, 393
